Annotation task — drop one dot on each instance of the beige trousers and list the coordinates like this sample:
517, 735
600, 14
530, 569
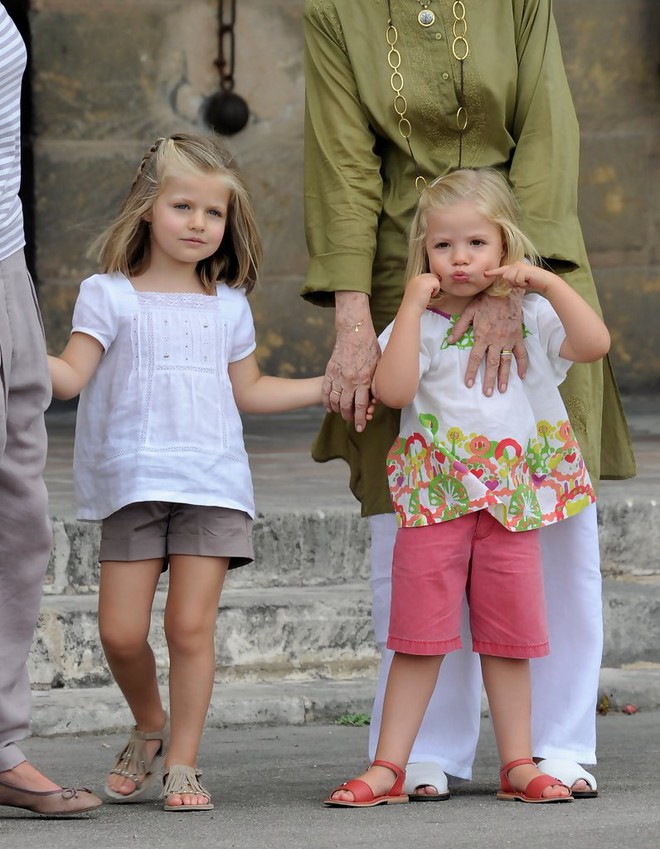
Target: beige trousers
25, 532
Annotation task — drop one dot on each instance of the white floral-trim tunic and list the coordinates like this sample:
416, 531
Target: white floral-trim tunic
513, 454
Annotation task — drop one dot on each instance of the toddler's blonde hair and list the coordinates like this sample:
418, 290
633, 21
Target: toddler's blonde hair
493, 198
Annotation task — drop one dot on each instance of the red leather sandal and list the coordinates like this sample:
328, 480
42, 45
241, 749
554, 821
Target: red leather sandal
363, 795
531, 793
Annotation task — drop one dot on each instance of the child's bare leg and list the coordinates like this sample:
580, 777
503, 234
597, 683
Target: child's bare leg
410, 685
190, 619
508, 686
126, 594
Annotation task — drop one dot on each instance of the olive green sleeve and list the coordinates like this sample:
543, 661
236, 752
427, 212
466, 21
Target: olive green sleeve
544, 171
342, 182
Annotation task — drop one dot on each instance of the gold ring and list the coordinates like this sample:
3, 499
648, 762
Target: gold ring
335, 392
506, 354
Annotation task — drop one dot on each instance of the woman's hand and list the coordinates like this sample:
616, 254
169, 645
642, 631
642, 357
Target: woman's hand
347, 385
497, 324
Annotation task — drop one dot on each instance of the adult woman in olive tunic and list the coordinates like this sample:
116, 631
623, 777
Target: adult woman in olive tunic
408, 89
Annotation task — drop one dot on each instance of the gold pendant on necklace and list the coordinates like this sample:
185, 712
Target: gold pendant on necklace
426, 18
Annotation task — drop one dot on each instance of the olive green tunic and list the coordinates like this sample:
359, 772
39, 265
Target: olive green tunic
360, 179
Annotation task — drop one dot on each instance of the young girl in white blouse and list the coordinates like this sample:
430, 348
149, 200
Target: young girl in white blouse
162, 352
473, 477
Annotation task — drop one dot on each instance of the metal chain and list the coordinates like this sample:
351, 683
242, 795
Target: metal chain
225, 60
460, 50
400, 102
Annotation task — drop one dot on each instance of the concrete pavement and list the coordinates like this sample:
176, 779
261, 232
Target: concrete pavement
268, 784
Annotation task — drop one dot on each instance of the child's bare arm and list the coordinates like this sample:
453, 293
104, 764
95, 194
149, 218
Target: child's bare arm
587, 337
72, 370
259, 393
397, 374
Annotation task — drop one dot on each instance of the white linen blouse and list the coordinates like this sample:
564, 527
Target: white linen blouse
158, 420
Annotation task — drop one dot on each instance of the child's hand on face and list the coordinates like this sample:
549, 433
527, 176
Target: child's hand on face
523, 275
420, 290
373, 402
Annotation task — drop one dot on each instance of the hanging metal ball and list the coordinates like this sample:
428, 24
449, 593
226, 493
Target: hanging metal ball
226, 112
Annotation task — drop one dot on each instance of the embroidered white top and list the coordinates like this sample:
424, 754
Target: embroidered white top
513, 454
158, 420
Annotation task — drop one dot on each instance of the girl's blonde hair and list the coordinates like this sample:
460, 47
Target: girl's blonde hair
125, 245
494, 199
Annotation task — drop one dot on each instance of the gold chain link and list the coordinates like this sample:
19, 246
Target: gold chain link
459, 37
396, 81
460, 50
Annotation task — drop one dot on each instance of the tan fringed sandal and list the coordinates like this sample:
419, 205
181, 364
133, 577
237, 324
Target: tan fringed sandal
132, 761
184, 780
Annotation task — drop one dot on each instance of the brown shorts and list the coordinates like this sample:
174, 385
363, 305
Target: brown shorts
148, 530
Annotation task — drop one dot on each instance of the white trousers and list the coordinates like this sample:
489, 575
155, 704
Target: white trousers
564, 684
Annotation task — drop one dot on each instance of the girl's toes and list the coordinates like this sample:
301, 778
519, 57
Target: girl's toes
186, 800
120, 784
555, 791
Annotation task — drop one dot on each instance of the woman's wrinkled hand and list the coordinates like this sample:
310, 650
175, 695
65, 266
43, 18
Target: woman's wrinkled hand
497, 327
347, 386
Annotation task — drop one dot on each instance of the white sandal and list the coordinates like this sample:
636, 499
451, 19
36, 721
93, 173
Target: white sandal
132, 762
423, 775
568, 772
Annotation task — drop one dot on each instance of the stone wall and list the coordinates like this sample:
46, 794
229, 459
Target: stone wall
109, 76
611, 54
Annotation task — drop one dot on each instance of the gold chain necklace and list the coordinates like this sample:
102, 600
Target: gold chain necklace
460, 50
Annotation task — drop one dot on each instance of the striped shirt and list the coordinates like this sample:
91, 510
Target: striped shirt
13, 58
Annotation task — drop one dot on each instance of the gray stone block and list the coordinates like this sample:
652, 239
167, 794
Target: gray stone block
631, 614
103, 709
611, 87
261, 634
629, 533
318, 548
96, 73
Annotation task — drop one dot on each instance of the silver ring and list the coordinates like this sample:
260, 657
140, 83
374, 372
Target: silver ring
506, 355
335, 392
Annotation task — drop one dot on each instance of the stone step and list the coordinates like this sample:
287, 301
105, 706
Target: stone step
314, 548
269, 633
324, 547
631, 614
262, 634
629, 534
103, 710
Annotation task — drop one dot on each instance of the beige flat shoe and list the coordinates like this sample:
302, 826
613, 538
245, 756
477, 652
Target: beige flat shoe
55, 803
